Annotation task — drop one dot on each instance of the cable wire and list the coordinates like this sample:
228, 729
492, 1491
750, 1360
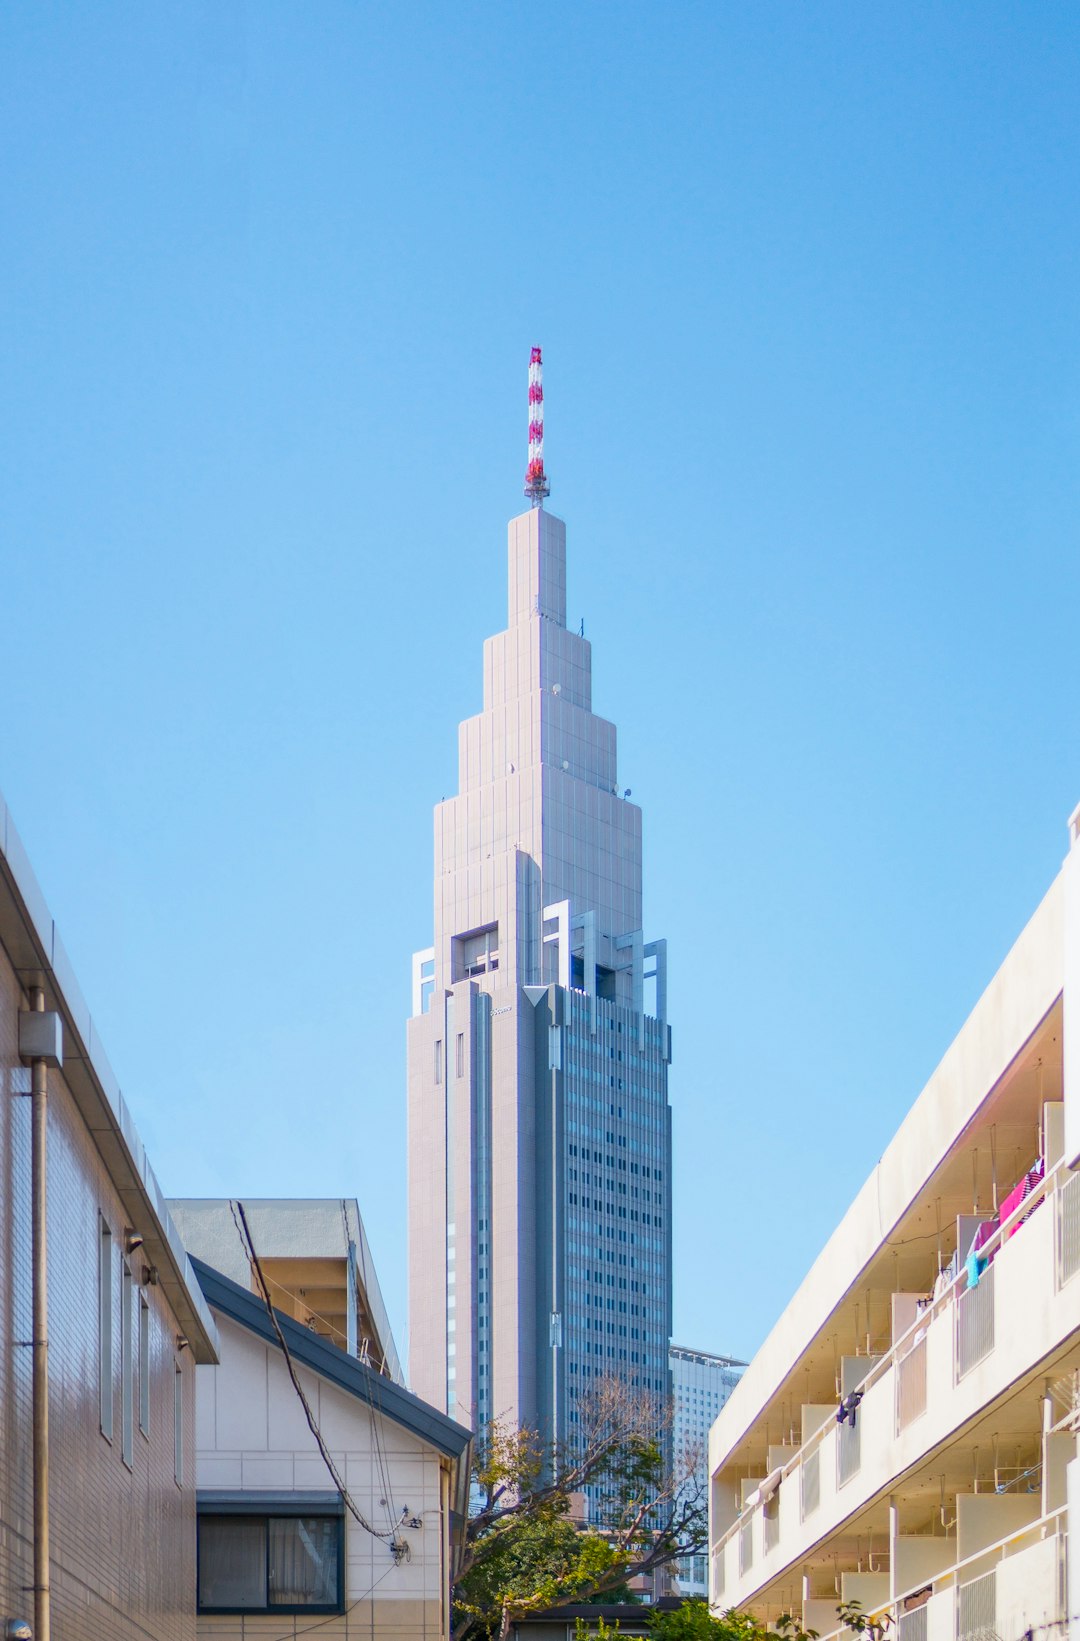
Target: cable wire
246, 1239
392, 1513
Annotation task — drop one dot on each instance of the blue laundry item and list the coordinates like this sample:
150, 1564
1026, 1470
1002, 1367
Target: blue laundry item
975, 1265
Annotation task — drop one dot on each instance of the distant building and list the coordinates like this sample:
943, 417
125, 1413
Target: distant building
538, 1051
126, 1319
700, 1385
907, 1435
278, 1542
315, 1256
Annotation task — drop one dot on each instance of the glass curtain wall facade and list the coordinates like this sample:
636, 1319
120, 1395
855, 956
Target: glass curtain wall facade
538, 1048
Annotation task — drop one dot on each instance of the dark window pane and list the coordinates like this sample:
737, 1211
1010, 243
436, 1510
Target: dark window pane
303, 1561
232, 1561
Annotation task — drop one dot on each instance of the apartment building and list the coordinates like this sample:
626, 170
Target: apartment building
907, 1435
126, 1322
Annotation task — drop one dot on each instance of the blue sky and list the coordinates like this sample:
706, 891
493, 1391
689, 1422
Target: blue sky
805, 278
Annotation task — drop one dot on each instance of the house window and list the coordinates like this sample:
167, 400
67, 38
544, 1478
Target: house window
105, 1329
285, 1557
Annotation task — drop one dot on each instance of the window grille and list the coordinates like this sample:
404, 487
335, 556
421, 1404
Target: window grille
848, 1455
746, 1546
912, 1626
976, 1604
810, 1482
911, 1386
1069, 1229
975, 1324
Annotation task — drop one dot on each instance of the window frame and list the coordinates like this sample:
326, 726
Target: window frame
263, 1506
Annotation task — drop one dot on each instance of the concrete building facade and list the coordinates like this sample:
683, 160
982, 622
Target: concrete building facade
700, 1385
538, 1049
127, 1323
907, 1435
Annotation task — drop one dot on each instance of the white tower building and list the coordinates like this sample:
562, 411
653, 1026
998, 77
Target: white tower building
539, 1125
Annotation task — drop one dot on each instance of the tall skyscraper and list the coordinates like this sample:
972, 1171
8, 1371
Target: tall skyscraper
700, 1384
538, 1049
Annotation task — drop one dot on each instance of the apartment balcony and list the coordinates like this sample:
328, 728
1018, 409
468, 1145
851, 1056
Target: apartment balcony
1005, 1589
972, 1364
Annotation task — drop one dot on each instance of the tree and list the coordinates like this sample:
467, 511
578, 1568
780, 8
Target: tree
692, 1621
523, 1552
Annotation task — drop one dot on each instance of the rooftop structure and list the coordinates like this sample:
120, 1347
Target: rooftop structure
316, 1260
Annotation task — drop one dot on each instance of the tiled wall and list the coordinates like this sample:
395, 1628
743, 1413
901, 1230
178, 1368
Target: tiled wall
123, 1540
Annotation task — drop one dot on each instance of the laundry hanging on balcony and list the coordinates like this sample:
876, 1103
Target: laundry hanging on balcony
845, 1413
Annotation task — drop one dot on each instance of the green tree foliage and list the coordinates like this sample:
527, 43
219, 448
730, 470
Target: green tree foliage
692, 1621
524, 1553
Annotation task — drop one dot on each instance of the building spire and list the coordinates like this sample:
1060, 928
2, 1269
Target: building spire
536, 483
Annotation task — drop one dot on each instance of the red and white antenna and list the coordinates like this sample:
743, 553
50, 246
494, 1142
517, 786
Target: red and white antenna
536, 484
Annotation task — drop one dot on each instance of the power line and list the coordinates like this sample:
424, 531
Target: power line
397, 1546
392, 1513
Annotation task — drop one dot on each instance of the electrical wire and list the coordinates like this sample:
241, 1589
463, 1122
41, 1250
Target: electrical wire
376, 1435
395, 1544
335, 1618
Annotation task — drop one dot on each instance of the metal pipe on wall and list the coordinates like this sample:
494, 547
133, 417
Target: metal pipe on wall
39, 1108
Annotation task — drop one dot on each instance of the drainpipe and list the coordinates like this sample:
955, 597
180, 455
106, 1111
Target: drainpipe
39, 1043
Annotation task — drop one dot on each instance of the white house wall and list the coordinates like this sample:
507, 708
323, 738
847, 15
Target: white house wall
251, 1432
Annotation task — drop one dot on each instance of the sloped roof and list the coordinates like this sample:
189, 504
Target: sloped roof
374, 1389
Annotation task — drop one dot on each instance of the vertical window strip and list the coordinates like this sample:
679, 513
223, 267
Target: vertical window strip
144, 1364
127, 1322
178, 1424
105, 1328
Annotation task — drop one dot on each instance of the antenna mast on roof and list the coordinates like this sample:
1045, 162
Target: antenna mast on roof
536, 484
